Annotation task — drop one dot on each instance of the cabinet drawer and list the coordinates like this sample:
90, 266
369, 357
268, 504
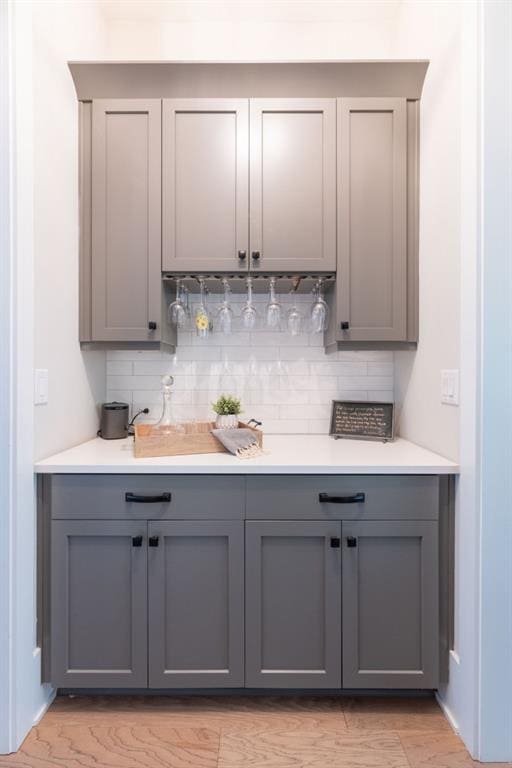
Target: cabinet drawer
94, 497
390, 497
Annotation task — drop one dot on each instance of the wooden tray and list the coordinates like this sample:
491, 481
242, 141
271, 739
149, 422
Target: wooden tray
153, 441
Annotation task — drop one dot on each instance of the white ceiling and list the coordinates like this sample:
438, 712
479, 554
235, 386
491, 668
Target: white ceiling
338, 11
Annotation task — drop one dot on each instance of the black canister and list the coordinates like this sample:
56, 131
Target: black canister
114, 421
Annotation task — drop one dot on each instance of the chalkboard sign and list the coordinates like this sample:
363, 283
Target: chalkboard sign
362, 420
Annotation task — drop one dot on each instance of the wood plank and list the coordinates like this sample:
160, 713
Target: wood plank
121, 746
318, 748
439, 750
393, 713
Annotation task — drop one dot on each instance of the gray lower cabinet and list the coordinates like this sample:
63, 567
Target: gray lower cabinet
163, 596
293, 604
196, 598
98, 604
390, 604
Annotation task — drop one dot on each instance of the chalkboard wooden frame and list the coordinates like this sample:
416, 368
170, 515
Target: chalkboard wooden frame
390, 433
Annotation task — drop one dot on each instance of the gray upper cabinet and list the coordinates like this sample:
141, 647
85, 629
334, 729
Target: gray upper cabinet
293, 184
390, 604
205, 185
196, 622
372, 275
293, 598
98, 604
125, 289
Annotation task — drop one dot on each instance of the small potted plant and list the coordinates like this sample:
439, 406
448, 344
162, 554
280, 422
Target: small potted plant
227, 409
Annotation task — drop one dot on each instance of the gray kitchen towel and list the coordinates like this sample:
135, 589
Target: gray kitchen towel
242, 443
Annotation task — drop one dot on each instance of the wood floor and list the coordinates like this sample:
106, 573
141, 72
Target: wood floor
242, 732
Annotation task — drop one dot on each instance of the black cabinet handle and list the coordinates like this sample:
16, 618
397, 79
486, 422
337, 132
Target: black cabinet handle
136, 541
152, 325
147, 499
357, 498
351, 541
255, 255
335, 543
153, 541
344, 325
242, 255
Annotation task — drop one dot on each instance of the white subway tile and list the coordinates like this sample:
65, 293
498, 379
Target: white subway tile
278, 339
319, 426
339, 369
277, 397
133, 382
306, 411
307, 382
380, 369
366, 355
149, 397
302, 353
250, 353
135, 354
285, 427
119, 367
365, 382
191, 353
381, 396
119, 396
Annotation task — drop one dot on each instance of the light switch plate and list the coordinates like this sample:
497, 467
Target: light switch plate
450, 386
40, 386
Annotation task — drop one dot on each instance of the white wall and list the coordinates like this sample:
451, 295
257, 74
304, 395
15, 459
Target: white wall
495, 375
432, 31
43, 260
62, 31
250, 30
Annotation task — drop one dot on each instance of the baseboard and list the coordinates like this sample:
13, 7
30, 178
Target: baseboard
45, 706
448, 714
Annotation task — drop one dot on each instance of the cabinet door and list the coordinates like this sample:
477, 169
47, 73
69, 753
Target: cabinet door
205, 184
372, 220
98, 604
293, 605
390, 604
196, 623
293, 184
126, 215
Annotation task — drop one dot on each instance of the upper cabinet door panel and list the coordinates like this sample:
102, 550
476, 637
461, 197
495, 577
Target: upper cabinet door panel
293, 184
205, 184
372, 219
126, 215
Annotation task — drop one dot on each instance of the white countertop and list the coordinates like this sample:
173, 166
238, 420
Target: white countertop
285, 454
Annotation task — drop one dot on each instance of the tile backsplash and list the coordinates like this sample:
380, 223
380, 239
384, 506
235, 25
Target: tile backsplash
285, 381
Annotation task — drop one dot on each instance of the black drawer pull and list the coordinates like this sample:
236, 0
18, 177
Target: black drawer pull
335, 543
136, 541
351, 541
147, 499
357, 498
153, 541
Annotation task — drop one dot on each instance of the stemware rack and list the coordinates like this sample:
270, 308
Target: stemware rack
285, 283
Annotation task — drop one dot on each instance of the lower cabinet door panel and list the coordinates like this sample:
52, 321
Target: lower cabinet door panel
293, 604
390, 604
98, 604
196, 586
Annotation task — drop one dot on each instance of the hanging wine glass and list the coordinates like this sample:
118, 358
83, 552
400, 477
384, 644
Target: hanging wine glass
249, 314
273, 307
319, 310
294, 320
202, 318
225, 316
177, 313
